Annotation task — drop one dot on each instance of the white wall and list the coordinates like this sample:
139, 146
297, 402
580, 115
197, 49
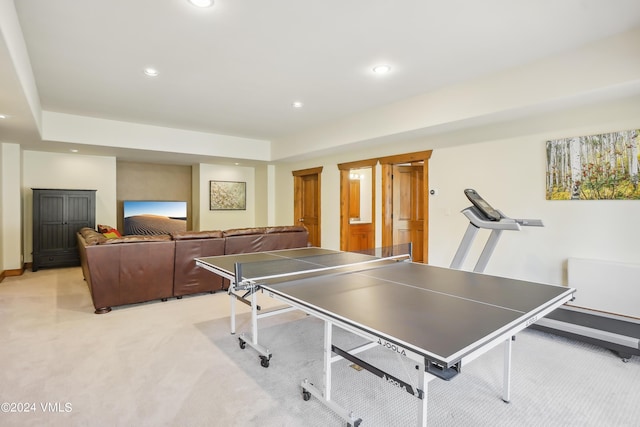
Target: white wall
195, 197
3, 204
264, 195
221, 220
510, 175
68, 171
271, 194
505, 163
113, 133
10, 211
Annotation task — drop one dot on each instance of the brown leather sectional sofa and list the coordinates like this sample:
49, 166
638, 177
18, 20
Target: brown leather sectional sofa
134, 269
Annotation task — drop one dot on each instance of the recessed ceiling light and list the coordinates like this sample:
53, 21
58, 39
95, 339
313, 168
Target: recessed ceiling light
297, 104
3, 116
381, 69
151, 72
73, 150
201, 3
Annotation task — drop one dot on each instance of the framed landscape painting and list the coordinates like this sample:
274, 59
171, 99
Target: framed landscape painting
594, 167
227, 195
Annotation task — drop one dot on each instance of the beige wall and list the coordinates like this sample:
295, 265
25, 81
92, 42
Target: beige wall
221, 220
148, 181
68, 171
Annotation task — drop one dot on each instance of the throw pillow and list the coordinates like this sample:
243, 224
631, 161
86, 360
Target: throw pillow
104, 228
112, 234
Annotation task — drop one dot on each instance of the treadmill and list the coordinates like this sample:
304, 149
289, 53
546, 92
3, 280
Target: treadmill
617, 333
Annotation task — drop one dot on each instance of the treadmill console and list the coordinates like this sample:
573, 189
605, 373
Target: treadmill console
484, 207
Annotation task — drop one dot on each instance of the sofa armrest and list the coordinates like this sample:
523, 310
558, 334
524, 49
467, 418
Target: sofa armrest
127, 271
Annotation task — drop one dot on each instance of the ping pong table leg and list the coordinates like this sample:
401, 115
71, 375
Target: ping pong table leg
328, 339
423, 384
232, 298
254, 318
506, 387
324, 394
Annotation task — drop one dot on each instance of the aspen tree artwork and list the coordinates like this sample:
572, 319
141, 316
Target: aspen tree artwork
594, 167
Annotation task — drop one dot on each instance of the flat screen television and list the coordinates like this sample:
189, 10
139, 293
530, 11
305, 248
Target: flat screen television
154, 217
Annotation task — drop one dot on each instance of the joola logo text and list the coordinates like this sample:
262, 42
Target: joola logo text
392, 347
394, 382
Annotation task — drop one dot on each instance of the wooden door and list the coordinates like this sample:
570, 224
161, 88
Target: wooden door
416, 208
307, 202
357, 205
408, 208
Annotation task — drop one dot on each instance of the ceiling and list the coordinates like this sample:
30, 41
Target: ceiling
237, 67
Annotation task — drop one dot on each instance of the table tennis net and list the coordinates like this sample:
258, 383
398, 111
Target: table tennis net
285, 268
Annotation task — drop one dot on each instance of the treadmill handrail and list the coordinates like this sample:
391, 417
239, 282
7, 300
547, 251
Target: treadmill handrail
474, 215
476, 218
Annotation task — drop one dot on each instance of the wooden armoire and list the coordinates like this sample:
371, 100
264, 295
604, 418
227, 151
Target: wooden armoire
57, 216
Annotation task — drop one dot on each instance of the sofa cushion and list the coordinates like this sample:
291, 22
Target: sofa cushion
286, 229
135, 238
284, 240
257, 239
190, 235
244, 231
91, 236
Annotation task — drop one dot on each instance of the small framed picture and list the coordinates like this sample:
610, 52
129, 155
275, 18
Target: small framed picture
227, 196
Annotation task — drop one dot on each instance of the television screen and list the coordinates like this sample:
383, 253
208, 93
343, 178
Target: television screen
154, 217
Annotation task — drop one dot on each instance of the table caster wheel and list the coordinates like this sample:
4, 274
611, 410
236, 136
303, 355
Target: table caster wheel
264, 361
306, 395
243, 344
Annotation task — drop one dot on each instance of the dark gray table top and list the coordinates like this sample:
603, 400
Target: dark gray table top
437, 312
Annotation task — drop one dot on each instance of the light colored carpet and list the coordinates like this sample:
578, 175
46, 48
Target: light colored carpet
175, 364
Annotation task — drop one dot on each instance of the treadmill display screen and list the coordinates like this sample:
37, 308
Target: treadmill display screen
484, 207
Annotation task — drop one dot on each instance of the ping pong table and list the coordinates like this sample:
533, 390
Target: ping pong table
438, 318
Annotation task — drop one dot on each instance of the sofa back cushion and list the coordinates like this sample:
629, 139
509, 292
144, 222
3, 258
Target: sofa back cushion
91, 237
257, 239
188, 277
285, 238
135, 238
191, 235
